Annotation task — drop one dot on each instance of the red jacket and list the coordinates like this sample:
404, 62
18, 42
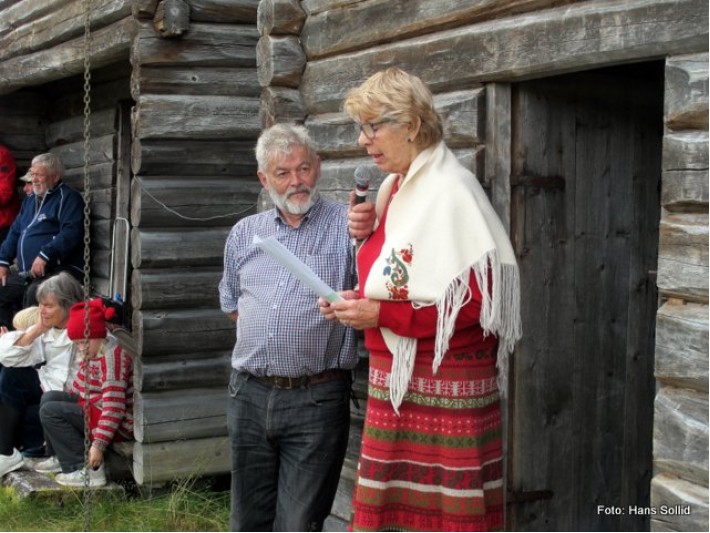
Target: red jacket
9, 199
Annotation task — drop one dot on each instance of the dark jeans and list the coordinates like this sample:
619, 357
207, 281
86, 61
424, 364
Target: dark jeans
63, 422
20, 391
288, 448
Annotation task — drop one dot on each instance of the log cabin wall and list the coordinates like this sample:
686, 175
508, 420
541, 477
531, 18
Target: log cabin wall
680, 437
195, 124
458, 49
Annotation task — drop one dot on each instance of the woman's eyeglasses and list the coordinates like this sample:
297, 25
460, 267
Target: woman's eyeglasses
369, 129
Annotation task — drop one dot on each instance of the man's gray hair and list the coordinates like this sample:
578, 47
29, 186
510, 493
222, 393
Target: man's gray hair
51, 162
280, 139
64, 287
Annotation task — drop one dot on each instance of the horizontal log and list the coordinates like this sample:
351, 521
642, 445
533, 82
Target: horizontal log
182, 414
186, 459
340, 30
280, 61
173, 288
206, 45
683, 256
685, 190
281, 104
680, 433
682, 345
193, 158
23, 123
72, 129
583, 36
104, 95
280, 17
196, 117
163, 332
20, 12
187, 247
317, 6
24, 147
224, 11
685, 151
195, 202
678, 495
110, 45
462, 112
222, 81
182, 371
60, 24
101, 150
686, 93
101, 176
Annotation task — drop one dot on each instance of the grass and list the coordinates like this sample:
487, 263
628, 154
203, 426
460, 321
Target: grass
184, 507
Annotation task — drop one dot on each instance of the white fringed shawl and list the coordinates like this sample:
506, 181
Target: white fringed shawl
440, 225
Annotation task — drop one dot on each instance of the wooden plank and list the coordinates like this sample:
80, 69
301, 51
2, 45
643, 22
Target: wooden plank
180, 414
166, 461
172, 288
72, 129
182, 371
101, 150
685, 190
196, 117
195, 81
499, 149
281, 104
683, 256
317, 6
554, 41
23, 11
104, 95
224, 11
100, 235
166, 331
280, 61
335, 31
682, 345
193, 158
178, 247
686, 93
206, 45
193, 202
110, 45
686, 504
680, 434
100, 176
61, 24
280, 17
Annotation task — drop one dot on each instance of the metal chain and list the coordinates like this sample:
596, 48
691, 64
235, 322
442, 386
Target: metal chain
87, 257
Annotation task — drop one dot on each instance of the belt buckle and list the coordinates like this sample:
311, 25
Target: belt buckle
290, 383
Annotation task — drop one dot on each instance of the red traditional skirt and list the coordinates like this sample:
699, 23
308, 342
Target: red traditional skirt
438, 466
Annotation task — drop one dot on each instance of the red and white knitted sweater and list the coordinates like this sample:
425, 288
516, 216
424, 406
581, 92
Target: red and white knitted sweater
110, 394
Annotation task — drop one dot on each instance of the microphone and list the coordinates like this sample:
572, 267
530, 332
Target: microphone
363, 175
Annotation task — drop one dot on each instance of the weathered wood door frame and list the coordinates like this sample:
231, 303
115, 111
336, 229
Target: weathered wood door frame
501, 181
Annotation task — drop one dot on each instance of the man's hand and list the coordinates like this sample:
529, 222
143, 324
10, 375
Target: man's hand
38, 267
4, 273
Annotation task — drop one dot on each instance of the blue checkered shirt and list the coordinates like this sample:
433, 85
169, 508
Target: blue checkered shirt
280, 331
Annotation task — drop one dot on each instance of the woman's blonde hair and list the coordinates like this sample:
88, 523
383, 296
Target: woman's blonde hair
400, 96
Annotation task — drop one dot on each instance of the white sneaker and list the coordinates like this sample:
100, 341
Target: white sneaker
97, 478
48, 466
8, 463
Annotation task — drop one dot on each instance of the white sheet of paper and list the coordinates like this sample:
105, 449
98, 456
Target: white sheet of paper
295, 266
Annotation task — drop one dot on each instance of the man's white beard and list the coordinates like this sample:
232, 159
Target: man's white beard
285, 205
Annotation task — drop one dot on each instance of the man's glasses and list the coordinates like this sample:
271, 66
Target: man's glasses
369, 129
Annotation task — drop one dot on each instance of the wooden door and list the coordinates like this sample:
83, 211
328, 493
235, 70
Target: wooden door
584, 185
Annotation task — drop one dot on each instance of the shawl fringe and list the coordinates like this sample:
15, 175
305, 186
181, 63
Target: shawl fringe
500, 316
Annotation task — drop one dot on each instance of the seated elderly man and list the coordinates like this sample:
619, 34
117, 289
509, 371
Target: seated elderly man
45, 238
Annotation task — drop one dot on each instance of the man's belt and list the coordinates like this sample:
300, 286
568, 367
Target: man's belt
303, 381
